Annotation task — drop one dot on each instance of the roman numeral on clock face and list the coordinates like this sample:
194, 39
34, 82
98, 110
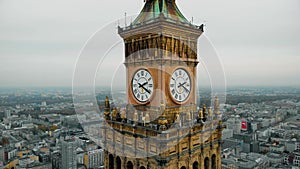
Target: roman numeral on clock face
173, 92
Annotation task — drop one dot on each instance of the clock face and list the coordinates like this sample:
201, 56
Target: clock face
180, 85
142, 85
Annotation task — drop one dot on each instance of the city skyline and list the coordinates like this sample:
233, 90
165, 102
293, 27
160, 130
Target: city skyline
257, 41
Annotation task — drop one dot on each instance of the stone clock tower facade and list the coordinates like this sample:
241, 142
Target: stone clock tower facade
161, 126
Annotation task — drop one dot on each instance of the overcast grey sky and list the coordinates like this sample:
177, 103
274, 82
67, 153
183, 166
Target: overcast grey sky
258, 41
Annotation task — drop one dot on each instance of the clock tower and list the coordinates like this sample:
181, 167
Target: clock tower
161, 126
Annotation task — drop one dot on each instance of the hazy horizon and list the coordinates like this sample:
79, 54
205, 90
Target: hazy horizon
121, 88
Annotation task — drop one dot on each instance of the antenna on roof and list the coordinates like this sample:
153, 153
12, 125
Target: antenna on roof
125, 19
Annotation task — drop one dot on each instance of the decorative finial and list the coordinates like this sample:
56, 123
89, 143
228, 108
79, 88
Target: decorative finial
114, 114
177, 118
147, 118
189, 117
136, 116
162, 106
201, 27
210, 112
107, 108
201, 114
162, 121
204, 108
123, 115
107, 105
200, 118
217, 106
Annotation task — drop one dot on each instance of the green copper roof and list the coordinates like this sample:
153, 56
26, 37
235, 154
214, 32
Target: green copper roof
154, 8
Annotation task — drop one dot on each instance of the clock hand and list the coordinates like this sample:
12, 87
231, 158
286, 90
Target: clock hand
186, 89
142, 85
180, 85
139, 85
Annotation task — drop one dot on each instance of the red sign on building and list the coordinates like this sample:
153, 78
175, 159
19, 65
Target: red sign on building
244, 125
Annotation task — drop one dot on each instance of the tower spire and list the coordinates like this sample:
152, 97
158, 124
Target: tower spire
153, 9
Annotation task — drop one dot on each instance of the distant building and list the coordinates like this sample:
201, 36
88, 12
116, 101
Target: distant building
268, 147
292, 146
2, 155
254, 127
56, 160
297, 146
2, 115
80, 156
236, 163
249, 142
293, 158
71, 121
235, 124
10, 153
68, 151
227, 133
249, 161
275, 158
39, 166
7, 114
296, 160
44, 104
29, 161
94, 159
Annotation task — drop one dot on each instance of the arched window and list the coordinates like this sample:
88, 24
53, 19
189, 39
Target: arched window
183, 167
195, 165
142, 167
206, 162
213, 162
129, 165
111, 162
118, 162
